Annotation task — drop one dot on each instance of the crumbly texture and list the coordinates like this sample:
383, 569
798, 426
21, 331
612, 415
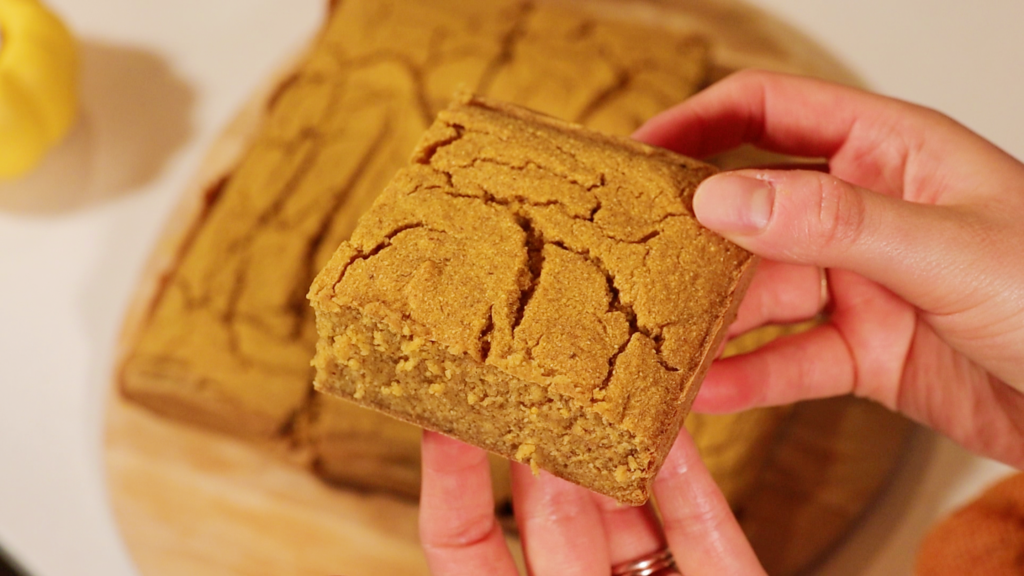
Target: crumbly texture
227, 339
535, 288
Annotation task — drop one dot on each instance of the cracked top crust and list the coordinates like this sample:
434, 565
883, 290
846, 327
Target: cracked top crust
559, 255
223, 331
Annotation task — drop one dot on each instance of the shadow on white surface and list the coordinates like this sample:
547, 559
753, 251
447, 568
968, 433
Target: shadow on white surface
134, 113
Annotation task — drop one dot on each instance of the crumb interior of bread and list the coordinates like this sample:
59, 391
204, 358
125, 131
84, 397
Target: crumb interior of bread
422, 382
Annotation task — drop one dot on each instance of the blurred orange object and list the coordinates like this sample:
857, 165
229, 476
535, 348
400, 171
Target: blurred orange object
984, 537
38, 93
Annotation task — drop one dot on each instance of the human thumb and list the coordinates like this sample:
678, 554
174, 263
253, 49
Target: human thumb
809, 217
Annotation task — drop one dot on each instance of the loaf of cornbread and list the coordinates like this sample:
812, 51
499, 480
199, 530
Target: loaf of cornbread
535, 288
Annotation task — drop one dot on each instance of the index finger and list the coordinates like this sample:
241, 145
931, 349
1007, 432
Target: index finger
786, 114
458, 530
702, 532
872, 141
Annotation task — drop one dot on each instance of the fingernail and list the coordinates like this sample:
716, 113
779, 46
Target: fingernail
730, 203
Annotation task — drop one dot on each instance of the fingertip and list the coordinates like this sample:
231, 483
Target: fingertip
678, 129
701, 531
734, 204
649, 132
541, 480
607, 503
429, 436
446, 442
681, 456
722, 392
559, 523
520, 468
793, 216
437, 441
442, 452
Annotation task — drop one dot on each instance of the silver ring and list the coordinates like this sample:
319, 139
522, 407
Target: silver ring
648, 565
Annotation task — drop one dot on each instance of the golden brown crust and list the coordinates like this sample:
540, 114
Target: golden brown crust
178, 400
562, 257
707, 356
224, 309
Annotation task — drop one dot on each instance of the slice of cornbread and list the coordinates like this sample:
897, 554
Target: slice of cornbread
534, 288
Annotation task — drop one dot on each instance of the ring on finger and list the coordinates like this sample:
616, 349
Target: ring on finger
649, 565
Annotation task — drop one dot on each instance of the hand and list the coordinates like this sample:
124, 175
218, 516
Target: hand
920, 225
567, 530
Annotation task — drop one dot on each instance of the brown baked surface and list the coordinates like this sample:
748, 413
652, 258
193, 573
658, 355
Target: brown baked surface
535, 288
224, 339
227, 337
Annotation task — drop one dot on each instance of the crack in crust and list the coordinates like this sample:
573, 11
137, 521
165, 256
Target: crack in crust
506, 53
230, 309
573, 300
519, 285
535, 263
535, 240
385, 242
298, 303
315, 136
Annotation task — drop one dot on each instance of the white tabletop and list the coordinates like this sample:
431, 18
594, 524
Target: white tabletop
159, 79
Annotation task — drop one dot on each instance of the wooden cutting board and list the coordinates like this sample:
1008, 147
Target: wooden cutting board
191, 501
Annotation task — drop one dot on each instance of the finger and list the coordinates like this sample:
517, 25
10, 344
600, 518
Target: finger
861, 351
878, 142
780, 293
458, 530
815, 364
701, 531
631, 531
777, 112
559, 524
915, 250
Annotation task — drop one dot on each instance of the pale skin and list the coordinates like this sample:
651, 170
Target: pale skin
919, 224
